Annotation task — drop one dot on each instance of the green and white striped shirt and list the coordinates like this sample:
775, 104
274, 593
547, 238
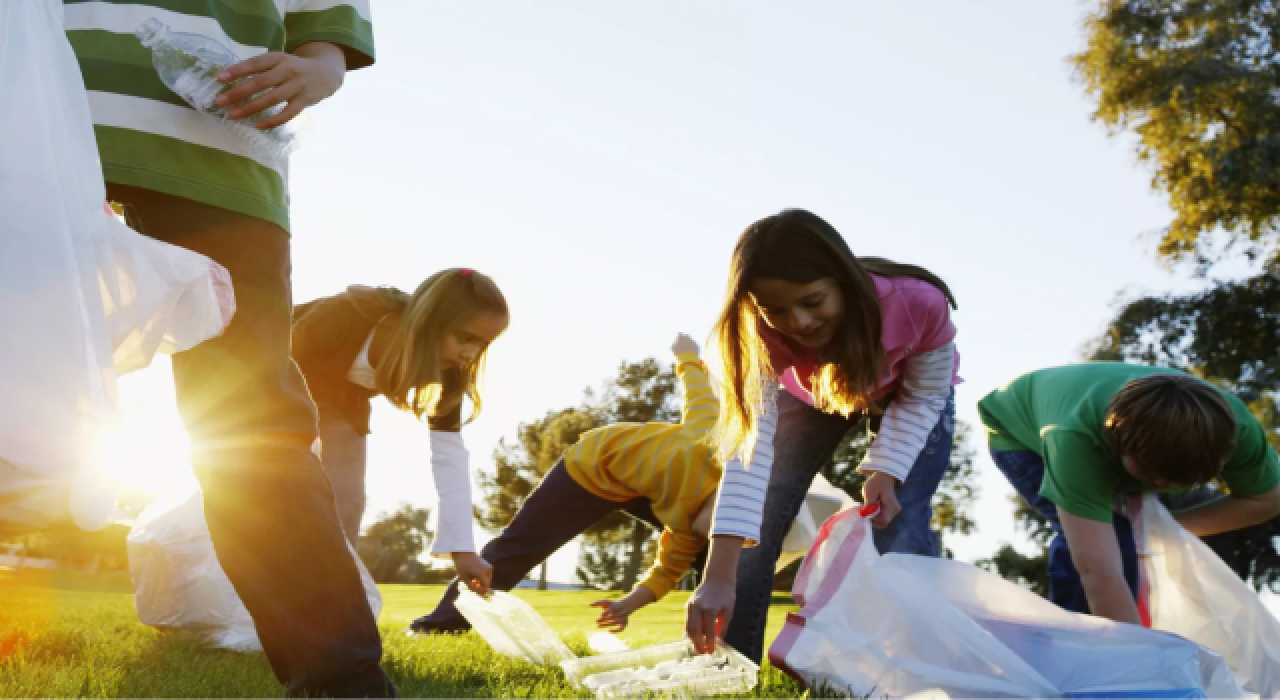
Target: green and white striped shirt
148, 137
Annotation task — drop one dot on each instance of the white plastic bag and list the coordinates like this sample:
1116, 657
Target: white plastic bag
82, 297
512, 627
1188, 590
821, 502
178, 583
901, 625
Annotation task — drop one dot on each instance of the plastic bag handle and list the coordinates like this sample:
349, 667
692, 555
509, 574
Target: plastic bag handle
806, 565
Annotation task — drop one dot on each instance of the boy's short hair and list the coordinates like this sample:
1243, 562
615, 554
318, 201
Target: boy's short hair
1176, 427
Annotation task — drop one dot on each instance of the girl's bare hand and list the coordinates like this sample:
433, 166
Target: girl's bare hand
883, 489
707, 613
614, 615
473, 571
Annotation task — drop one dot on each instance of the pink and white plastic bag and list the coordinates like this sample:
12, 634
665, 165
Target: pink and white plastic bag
907, 626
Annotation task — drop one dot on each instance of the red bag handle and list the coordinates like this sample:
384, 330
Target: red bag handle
802, 576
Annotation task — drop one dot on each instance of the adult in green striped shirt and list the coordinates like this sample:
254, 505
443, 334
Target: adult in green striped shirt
183, 179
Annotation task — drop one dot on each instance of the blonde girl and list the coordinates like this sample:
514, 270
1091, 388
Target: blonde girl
424, 352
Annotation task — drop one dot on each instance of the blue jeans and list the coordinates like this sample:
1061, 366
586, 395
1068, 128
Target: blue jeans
804, 442
1025, 471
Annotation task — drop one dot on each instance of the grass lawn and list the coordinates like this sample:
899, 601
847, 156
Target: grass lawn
76, 637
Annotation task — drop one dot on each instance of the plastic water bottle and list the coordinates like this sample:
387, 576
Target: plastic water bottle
189, 64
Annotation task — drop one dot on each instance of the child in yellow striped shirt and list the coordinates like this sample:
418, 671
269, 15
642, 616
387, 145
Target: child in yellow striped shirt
662, 473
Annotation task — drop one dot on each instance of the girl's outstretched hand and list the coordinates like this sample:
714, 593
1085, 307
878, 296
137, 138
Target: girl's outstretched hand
313, 72
473, 571
883, 489
615, 613
684, 344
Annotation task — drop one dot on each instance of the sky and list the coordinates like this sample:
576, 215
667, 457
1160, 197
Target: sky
599, 160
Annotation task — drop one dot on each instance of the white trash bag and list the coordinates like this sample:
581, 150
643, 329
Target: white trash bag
821, 502
178, 583
1188, 590
901, 625
83, 298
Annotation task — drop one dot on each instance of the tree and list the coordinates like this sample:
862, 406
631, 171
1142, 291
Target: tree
391, 546
100, 551
1229, 333
1197, 81
1029, 571
519, 466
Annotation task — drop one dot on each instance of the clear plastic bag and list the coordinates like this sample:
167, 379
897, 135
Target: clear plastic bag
82, 297
1189, 591
178, 583
901, 625
512, 628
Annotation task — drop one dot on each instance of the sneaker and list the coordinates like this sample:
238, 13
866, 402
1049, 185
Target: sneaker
424, 625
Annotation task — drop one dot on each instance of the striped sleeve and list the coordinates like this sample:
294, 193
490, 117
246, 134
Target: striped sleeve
926, 385
701, 407
740, 503
346, 23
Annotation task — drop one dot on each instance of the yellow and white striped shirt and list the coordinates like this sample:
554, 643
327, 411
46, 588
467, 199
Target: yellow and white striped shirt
669, 464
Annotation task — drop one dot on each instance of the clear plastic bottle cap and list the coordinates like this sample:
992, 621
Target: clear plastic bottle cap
151, 32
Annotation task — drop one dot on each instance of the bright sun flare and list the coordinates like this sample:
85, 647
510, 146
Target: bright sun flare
146, 449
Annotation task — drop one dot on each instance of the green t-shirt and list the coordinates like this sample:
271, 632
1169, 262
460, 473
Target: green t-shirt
1058, 413
149, 138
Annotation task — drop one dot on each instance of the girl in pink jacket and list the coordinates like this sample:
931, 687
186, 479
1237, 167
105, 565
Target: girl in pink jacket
811, 339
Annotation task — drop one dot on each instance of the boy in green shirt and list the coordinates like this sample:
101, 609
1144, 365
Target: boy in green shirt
181, 178
1070, 439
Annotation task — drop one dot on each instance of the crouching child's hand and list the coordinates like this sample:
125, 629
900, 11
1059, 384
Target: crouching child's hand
473, 571
615, 613
683, 344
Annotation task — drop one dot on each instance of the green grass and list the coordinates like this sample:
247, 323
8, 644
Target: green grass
80, 637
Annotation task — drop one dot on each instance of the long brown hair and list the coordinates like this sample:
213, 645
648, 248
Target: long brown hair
800, 247
410, 374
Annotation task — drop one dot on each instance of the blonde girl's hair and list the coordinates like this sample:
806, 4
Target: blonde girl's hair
410, 374
799, 247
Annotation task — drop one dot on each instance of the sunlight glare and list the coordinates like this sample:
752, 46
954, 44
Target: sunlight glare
146, 450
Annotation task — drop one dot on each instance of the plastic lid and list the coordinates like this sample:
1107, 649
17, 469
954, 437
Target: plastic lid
151, 32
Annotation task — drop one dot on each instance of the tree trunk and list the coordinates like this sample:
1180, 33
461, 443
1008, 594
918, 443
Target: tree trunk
542, 577
639, 534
